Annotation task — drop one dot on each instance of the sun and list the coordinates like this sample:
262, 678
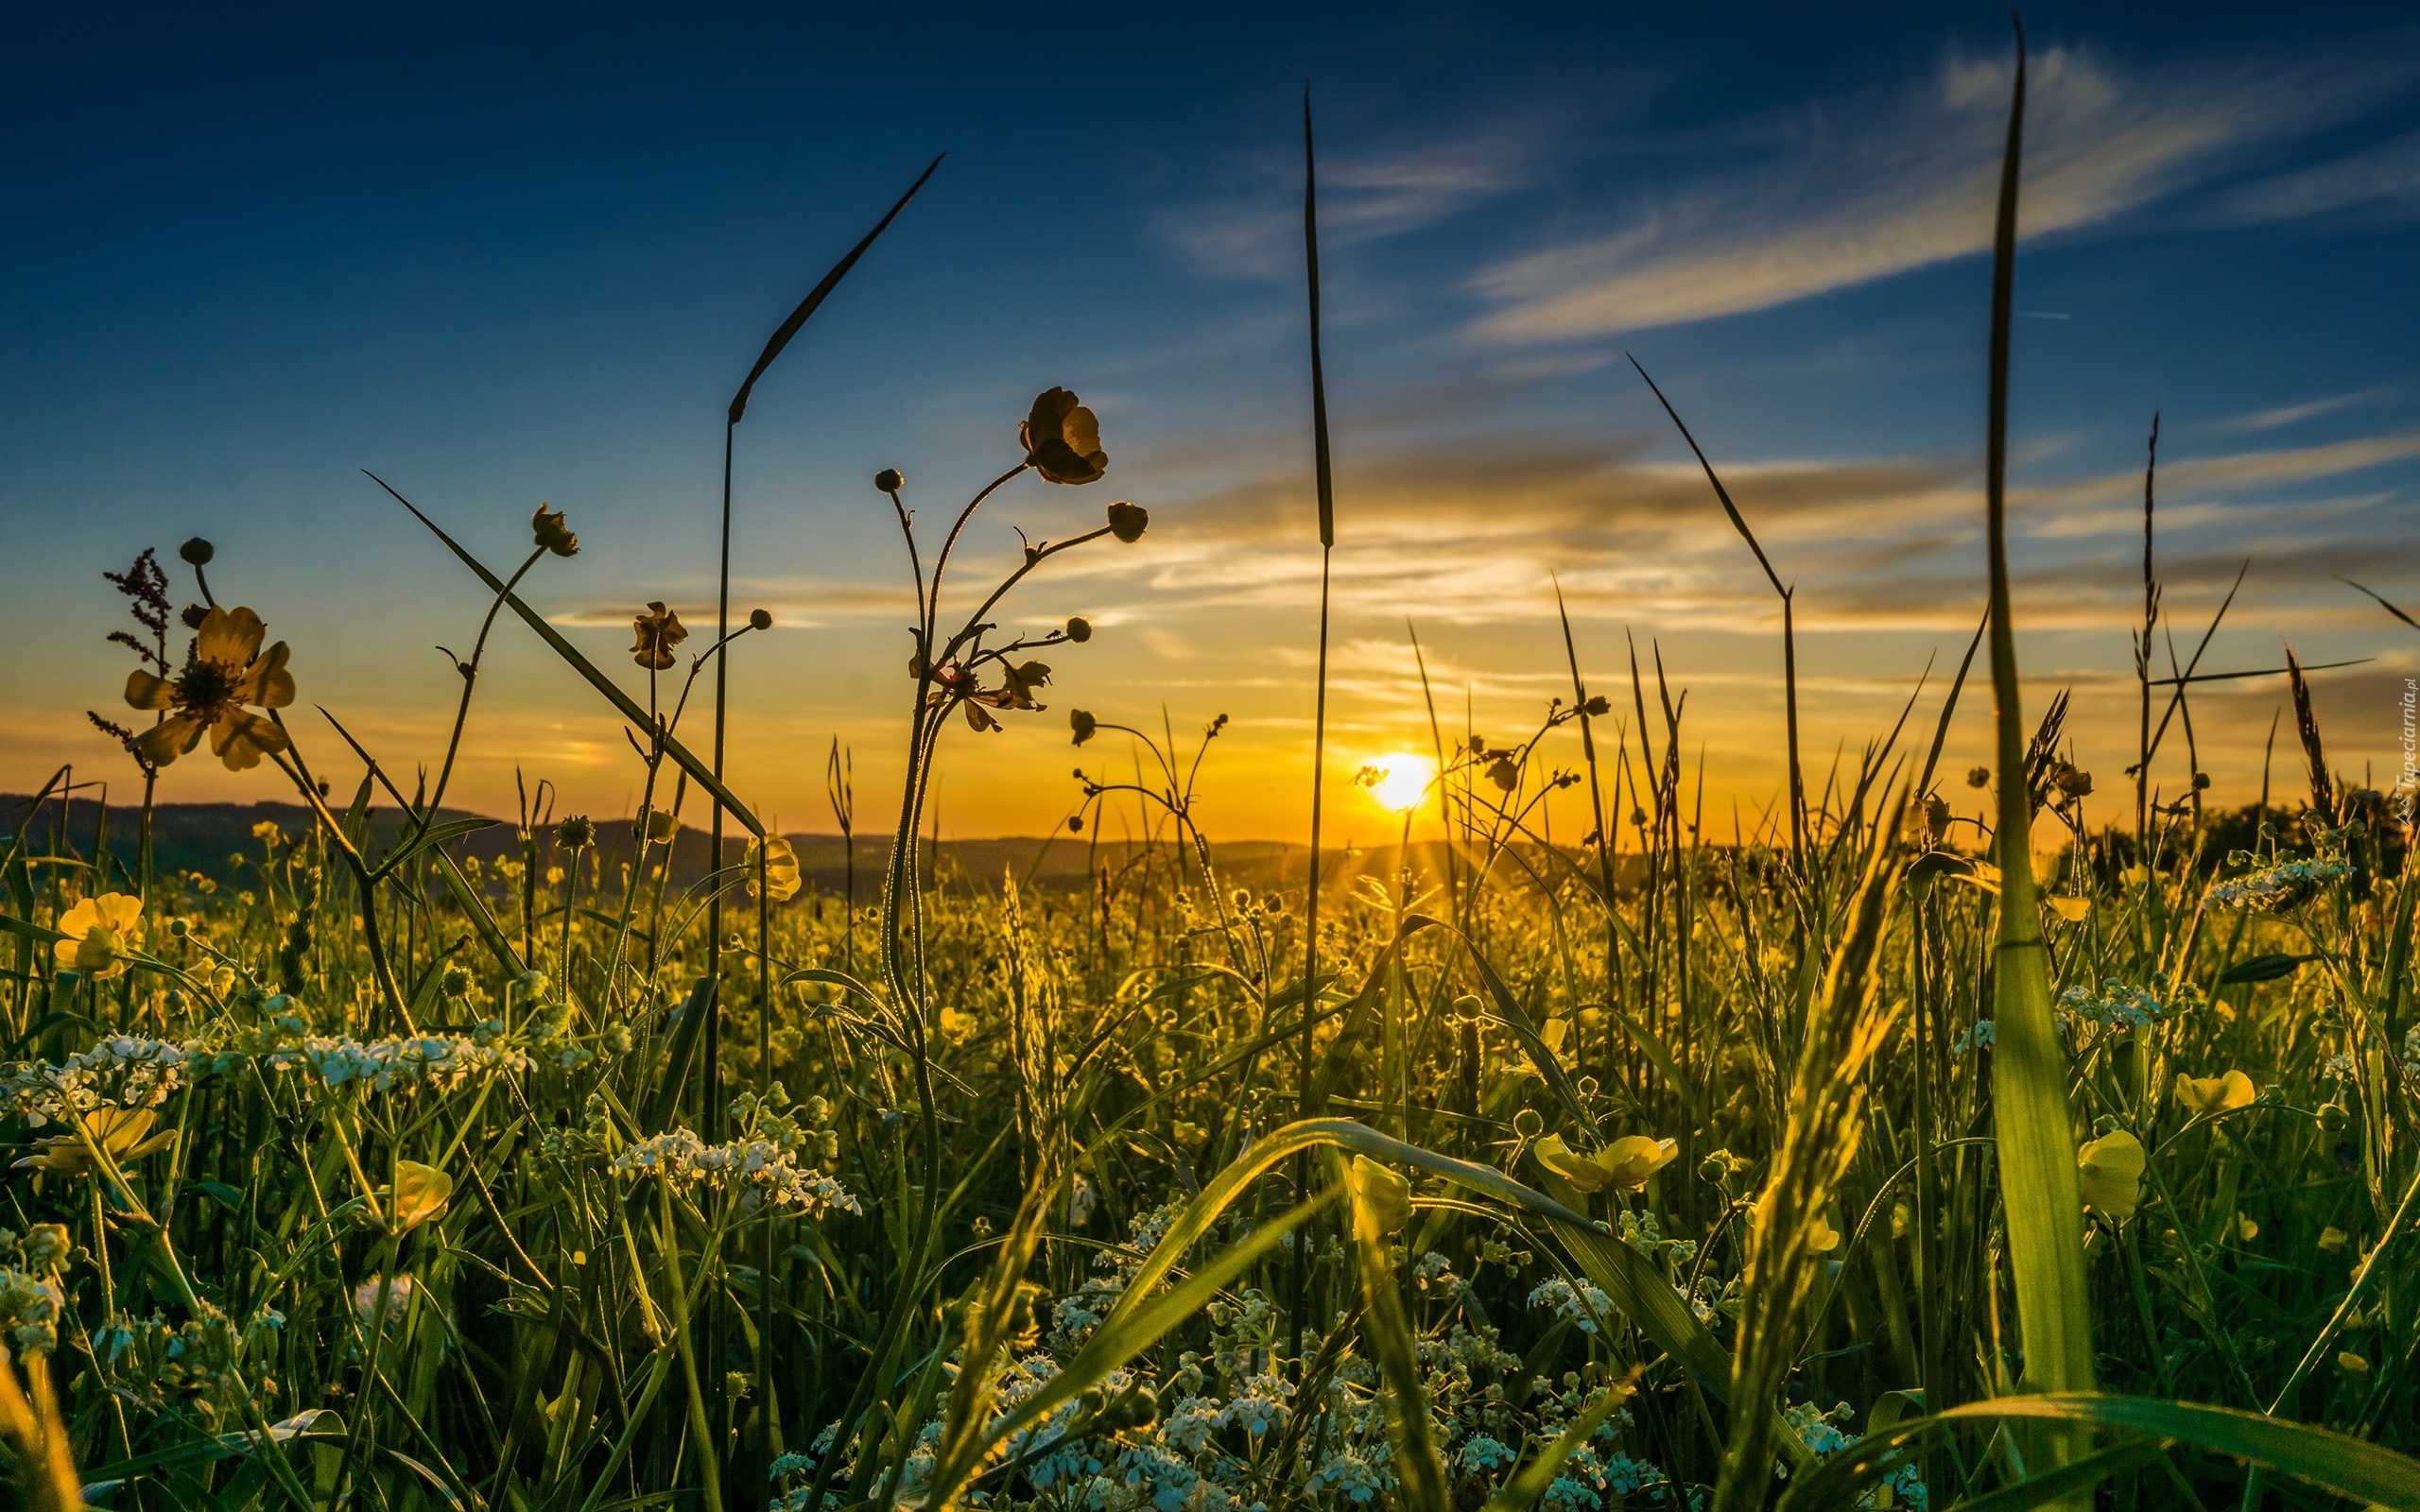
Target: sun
1398, 781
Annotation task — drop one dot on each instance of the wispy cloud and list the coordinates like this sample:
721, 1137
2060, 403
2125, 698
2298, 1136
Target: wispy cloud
1908, 182
1256, 230
2285, 415
2384, 180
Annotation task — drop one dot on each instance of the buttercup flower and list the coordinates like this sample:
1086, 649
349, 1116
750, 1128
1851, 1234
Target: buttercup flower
225, 670
97, 931
1062, 440
1624, 1165
2110, 1171
119, 1131
781, 869
659, 630
2217, 1094
548, 531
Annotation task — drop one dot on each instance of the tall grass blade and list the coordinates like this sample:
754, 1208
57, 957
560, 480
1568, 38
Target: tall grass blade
1381, 1203
816, 296
1789, 627
2034, 1124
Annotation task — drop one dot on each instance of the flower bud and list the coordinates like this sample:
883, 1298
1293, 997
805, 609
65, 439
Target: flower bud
1080, 629
1082, 723
760, 619
2332, 1116
194, 614
197, 552
1075, 824
888, 480
455, 982
575, 833
1127, 521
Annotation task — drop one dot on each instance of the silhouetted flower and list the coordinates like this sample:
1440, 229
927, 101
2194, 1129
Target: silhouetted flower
225, 670
1127, 521
550, 531
1062, 440
760, 619
1082, 723
888, 480
1080, 629
659, 630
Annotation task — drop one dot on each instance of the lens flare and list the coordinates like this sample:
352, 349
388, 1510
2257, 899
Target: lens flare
1397, 782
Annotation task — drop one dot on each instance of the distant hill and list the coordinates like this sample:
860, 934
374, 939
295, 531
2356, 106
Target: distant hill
206, 837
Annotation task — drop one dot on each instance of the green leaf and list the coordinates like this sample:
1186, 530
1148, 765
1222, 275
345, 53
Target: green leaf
2349, 1466
2262, 969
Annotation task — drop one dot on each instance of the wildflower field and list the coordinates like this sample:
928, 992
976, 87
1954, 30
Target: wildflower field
1957, 1138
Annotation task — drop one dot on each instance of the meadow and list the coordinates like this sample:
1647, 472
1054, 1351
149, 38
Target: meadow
1986, 1137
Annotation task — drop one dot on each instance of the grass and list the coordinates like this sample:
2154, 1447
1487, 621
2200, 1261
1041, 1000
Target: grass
1848, 1162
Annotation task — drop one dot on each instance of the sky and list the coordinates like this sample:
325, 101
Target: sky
505, 256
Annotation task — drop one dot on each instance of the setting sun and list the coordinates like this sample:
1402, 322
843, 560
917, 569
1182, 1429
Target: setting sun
1397, 782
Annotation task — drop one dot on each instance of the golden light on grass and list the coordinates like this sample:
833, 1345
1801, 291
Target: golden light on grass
1399, 781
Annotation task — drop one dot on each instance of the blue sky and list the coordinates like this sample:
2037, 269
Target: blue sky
507, 259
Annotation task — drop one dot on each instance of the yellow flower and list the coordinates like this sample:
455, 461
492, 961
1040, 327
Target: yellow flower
1384, 1192
659, 631
662, 825
2110, 1171
97, 931
1621, 1166
119, 1131
2351, 1363
2072, 910
549, 531
420, 1193
2216, 1094
781, 869
1062, 440
225, 670
2333, 1239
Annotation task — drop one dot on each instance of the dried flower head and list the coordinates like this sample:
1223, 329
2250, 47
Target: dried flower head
1082, 723
1062, 440
1080, 629
549, 531
224, 670
1979, 777
658, 631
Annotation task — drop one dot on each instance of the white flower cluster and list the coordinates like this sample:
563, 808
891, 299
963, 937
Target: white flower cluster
123, 1071
2278, 888
2116, 1006
1583, 1307
439, 1062
763, 1173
